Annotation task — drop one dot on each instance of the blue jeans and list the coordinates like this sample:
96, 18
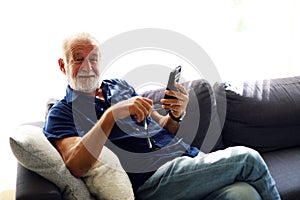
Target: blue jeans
197, 178
235, 191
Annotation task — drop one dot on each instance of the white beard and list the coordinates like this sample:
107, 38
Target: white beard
84, 84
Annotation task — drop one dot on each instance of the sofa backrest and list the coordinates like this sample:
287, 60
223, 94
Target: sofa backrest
264, 115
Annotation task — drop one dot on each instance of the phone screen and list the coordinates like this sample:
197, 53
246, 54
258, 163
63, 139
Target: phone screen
173, 77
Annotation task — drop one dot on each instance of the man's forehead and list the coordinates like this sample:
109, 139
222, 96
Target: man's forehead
78, 47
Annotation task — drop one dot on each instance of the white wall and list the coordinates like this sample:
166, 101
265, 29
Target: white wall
246, 39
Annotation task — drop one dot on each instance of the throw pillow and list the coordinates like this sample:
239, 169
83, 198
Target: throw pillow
107, 179
35, 152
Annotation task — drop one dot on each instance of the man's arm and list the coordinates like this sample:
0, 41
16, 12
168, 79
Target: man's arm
80, 154
166, 122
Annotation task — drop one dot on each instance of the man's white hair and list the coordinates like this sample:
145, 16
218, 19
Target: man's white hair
78, 37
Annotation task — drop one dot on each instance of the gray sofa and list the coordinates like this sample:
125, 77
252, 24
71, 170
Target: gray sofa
263, 115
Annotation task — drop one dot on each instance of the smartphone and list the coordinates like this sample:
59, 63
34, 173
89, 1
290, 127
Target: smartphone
173, 77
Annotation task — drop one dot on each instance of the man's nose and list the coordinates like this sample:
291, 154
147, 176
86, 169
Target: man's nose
86, 65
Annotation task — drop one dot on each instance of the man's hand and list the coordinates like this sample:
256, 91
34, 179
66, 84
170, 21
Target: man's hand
139, 107
178, 105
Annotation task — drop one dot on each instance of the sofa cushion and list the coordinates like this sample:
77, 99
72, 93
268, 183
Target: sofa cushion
201, 126
35, 152
263, 115
284, 167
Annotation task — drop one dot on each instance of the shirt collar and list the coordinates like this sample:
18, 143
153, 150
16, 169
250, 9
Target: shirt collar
72, 95
107, 86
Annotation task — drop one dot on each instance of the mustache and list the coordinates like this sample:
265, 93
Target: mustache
83, 73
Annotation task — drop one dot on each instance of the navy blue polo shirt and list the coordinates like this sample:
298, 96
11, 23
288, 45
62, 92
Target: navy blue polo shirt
77, 113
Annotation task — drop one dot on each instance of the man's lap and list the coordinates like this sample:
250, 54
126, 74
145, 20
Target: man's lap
190, 178
235, 191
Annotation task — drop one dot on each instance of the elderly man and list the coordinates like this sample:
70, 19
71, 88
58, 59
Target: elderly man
91, 116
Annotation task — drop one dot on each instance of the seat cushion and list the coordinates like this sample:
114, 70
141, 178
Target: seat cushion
284, 167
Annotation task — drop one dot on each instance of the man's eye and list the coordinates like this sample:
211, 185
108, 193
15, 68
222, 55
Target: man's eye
93, 60
78, 60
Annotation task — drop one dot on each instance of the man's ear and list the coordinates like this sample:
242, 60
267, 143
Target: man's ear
61, 64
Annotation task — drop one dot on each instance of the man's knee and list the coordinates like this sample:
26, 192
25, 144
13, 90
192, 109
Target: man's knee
236, 191
247, 155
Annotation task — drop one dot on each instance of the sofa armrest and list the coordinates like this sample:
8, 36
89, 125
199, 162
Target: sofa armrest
32, 186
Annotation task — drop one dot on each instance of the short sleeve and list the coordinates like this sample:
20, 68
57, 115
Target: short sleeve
60, 122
